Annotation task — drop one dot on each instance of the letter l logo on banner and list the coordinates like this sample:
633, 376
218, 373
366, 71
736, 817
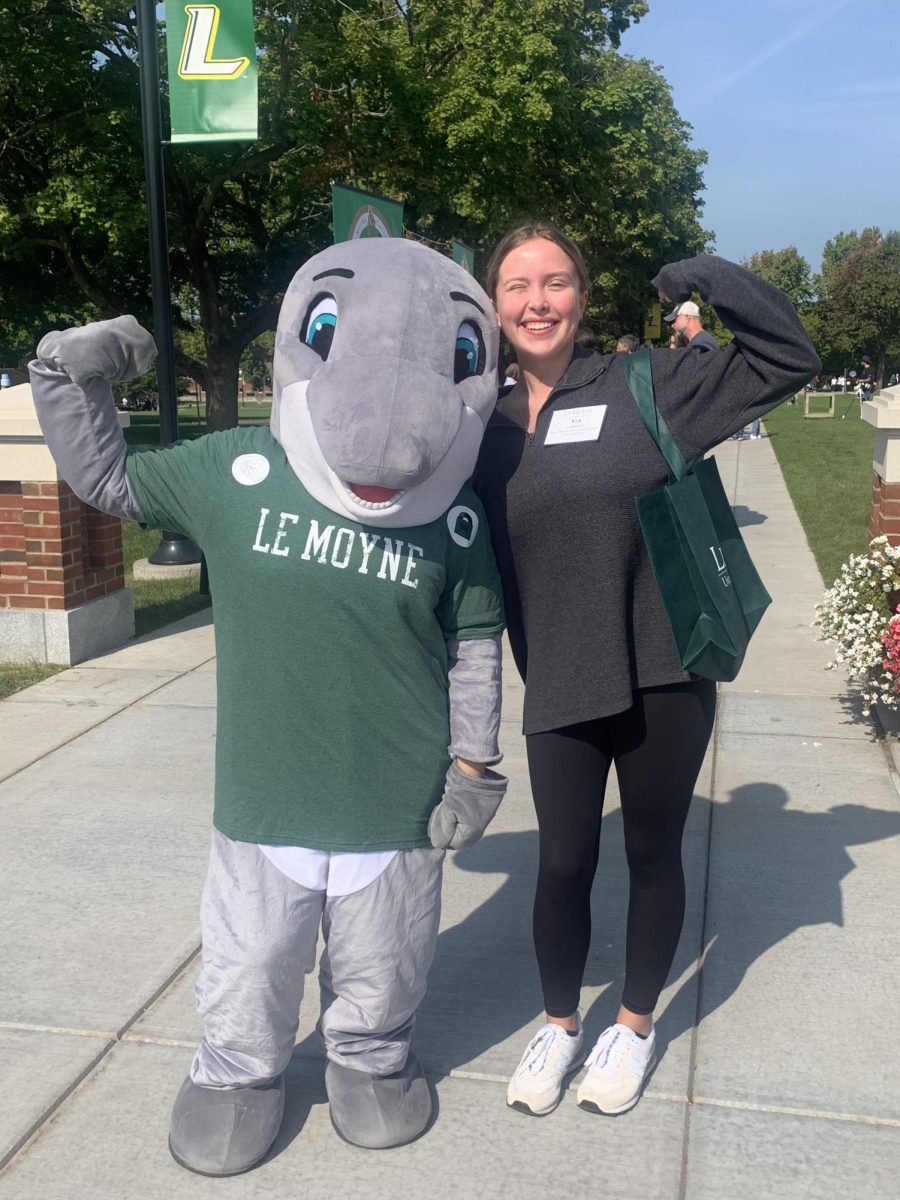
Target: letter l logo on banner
211, 53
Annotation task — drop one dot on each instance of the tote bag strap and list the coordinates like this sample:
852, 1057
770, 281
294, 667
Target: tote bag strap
640, 384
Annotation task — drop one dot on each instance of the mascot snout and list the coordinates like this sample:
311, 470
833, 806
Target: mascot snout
384, 424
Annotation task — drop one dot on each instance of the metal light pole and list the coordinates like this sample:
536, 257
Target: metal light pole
174, 549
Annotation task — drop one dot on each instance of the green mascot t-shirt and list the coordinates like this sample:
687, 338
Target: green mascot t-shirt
332, 727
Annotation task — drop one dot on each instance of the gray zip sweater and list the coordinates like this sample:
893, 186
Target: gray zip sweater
585, 619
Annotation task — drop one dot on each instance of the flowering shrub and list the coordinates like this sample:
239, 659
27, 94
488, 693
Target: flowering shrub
856, 613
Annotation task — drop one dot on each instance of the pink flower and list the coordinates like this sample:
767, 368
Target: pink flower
891, 642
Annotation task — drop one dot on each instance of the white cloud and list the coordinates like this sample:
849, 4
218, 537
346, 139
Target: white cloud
809, 25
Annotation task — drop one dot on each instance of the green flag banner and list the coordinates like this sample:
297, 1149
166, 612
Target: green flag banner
212, 71
464, 255
363, 214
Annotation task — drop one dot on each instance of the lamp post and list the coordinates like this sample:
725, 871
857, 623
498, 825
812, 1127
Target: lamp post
174, 549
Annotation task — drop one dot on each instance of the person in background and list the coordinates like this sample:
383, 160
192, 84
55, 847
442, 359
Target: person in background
677, 341
511, 375
685, 318
627, 344
866, 375
585, 338
562, 458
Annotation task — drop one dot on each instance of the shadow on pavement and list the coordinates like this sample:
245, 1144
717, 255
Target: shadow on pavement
484, 989
778, 870
747, 516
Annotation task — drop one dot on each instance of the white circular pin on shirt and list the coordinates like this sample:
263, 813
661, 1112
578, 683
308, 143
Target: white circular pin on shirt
463, 525
249, 469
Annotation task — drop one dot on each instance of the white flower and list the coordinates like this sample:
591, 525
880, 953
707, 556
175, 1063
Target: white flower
855, 613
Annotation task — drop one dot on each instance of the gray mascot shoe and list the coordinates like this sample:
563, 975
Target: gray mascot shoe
379, 1112
224, 1131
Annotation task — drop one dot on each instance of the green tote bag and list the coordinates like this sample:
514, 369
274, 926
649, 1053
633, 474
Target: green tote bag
709, 586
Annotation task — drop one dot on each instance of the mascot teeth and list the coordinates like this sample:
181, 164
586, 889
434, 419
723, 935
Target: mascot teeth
388, 496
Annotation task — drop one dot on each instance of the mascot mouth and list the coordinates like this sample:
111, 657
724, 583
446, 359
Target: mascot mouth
373, 497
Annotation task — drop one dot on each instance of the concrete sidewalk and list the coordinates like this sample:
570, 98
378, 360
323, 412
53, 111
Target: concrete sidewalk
779, 1069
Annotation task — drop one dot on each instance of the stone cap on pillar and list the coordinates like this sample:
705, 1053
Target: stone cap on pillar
23, 451
883, 410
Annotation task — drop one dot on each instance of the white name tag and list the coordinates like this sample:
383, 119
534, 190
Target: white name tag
575, 425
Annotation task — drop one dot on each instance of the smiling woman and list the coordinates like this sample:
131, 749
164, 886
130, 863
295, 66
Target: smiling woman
561, 463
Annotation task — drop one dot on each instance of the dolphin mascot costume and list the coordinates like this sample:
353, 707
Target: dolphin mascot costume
358, 620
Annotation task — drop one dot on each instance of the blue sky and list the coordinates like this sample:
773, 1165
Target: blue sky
797, 103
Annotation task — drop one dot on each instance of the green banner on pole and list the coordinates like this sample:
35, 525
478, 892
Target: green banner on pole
212, 71
464, 255
363, 214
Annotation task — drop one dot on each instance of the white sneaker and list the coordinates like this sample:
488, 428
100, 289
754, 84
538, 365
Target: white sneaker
754, 437
618, 1067
551, 1055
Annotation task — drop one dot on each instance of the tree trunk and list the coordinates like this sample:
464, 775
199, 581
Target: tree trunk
222, 388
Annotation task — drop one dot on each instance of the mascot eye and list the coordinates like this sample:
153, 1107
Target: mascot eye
320, 324
469, 356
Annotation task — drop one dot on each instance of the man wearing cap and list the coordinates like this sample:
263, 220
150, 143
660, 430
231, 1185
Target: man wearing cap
866, 374
685, 318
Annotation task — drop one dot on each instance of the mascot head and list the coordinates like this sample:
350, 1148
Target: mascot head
385, 376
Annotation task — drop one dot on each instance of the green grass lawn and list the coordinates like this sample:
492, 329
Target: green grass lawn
156, 602
827, 466
15, 676
143, 432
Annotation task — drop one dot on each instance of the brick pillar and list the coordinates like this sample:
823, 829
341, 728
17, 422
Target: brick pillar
55, 551
885, 516
883, 411
62, 577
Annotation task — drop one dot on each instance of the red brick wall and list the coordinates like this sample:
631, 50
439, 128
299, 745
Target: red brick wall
55, 552
885, 513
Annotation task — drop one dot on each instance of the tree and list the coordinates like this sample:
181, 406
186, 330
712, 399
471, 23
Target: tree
786, 269
241, 217
49, 183
860, 300
474, 112
842, 245
488, 114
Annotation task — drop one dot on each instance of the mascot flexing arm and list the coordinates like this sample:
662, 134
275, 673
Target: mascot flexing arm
358, 620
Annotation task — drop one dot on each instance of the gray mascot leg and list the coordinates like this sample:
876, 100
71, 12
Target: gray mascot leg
380, 943
259, 940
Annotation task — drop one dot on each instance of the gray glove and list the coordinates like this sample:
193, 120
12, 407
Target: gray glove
117, 349
467, 808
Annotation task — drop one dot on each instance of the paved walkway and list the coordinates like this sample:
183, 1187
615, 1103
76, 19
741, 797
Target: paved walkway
779, 1037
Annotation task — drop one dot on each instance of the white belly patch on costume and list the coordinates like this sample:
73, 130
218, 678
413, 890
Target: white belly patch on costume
336, 874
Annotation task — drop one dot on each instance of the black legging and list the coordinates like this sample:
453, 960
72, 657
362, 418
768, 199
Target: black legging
658, 747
